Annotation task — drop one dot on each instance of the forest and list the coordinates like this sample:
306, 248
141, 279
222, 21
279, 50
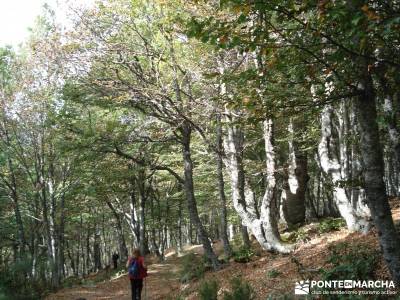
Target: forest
251, 131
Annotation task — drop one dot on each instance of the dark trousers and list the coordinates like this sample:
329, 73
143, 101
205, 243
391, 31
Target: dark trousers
137, 286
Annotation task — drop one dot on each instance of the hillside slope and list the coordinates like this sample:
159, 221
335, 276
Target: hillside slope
268, 273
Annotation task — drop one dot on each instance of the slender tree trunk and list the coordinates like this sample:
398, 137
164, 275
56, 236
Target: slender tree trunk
70, 254
180, 224
191, 200
221, 190
18, 218
394, 142
142, 215
242, 183
12, 186
123, 249
87, 261
54, 241
133, 223
96, 250
61, 239
143, 244
17, 210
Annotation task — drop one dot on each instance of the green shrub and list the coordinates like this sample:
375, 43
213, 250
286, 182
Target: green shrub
193, 267
16, 284
240, 290
350, 262
273, 273
3, 295
237, 241
297, 235
208, 290
243, 255
301, 235
71, 281
330, 224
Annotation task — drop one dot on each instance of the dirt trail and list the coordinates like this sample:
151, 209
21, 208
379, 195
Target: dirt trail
162, 282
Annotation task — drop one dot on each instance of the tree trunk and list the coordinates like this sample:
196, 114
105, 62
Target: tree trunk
295, 183
242, 182
61, 239
96, 250
54, 241
330, 164
180, 225
373, 177
12, 186
123, 249
394, 139
221, 190
269, 205
143, 242
132, 218
264, 228
191, 200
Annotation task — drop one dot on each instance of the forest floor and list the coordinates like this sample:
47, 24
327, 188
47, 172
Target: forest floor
163, 280
268, 274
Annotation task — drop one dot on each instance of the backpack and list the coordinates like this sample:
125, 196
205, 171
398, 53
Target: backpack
133, 269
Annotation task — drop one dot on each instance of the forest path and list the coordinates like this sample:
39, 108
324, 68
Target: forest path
163, 280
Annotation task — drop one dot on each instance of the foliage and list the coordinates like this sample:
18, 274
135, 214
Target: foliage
350, 261
16, 284
104, 275
243, 254
297, 235
193, 267
330, 224
301, 235
237, 240
71, 281
241, 290
273, 273
208, 290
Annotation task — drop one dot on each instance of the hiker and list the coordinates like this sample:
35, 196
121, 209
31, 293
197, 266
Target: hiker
137, 272
115, 258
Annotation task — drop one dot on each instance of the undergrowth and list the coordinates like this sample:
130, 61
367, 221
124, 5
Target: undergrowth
17, 283
208, 290
330, 224
240, 290
350, 261
243, 254
193, 267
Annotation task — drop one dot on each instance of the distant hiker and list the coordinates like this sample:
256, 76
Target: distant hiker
137, 272
115, 258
